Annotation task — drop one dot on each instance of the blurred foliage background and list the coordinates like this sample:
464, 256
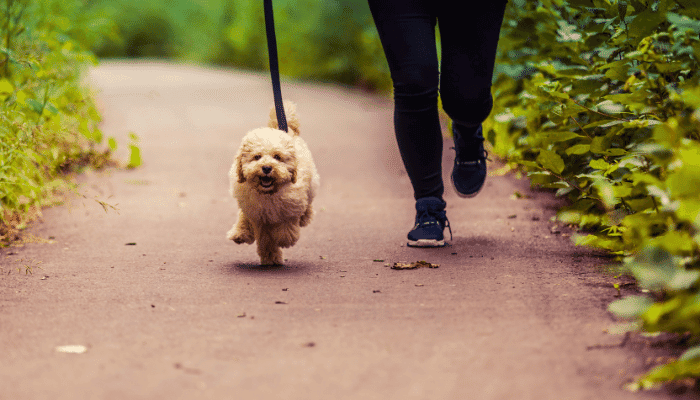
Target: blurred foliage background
332, 41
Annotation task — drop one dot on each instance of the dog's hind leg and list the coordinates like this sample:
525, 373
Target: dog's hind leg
242, 231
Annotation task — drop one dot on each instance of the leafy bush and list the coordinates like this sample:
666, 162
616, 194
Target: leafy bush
48, 125
600, 101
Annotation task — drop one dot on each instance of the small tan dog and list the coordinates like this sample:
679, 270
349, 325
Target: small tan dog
274, 179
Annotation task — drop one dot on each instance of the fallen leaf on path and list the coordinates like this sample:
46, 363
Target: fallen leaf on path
71, 349
414, 265
241, 315
419, 284
378, 260
130, 244
280, 302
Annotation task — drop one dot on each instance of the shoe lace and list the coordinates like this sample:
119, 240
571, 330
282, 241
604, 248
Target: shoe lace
428, 217
483, 158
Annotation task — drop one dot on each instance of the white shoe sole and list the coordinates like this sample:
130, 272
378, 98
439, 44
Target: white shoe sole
426, 243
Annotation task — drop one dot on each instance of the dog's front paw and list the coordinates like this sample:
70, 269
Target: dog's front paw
240, 237
272, 259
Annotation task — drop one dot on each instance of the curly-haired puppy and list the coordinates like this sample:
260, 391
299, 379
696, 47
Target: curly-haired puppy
274, 179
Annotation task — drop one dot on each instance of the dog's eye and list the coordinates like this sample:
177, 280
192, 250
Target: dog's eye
257, 157
278, 157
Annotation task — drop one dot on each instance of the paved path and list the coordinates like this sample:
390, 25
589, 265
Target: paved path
513, 311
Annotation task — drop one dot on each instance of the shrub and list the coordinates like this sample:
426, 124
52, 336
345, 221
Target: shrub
600, 101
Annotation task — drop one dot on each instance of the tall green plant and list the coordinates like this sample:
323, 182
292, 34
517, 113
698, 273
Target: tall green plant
48, 123
599, 100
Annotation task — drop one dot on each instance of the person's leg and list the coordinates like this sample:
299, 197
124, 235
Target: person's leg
407, 32
469, 43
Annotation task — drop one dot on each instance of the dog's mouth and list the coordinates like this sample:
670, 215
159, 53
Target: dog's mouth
266, 182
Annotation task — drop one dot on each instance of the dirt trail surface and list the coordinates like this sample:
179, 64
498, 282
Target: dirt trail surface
167, 308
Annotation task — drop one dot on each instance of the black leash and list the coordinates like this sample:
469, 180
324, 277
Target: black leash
274, 65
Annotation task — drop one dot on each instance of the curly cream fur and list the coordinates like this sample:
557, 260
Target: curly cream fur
274, 179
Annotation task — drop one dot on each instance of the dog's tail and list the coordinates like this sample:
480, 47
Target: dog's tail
290, 111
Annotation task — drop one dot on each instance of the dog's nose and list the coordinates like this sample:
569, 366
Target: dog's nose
266, 169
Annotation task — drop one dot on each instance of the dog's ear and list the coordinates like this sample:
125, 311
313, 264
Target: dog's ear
293, 171
239, 167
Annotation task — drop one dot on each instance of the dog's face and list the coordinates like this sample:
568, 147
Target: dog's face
266, 160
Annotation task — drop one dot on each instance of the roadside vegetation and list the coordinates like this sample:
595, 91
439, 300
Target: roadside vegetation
600, 101
49, 122
597, 100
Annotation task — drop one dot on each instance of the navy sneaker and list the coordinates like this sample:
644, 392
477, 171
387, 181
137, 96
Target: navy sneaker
431, 221
469, 173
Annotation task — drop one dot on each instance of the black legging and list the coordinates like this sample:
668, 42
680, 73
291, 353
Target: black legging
469, 39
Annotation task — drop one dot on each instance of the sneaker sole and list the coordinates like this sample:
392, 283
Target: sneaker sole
426, 243
462, 195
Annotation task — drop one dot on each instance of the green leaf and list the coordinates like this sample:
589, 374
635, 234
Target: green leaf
690, 354
599, 164
617, 70
578, 149
51, 108
134, 157
6, 86
561, 136
653, 267
635, 101
645, 23
683, 22
551, 161
689, 210
616, 152
35, 105
598, 145
630, 307
685, 181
